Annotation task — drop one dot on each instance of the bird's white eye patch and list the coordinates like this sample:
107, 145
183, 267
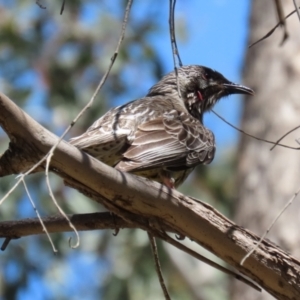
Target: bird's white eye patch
199, 95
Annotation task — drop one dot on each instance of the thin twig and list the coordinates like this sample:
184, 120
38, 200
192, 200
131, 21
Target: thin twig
282, 21
200, 257
270, 227
175, 52
40, 5
62, 7
10, 191
61, 211
5, 243
252, 136
271, 31
284, 136
297, 9
39, 217
172, 31
21, 177
279, 11
157, 265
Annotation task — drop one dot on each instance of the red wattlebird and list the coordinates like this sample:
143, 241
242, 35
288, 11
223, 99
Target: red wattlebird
161, 136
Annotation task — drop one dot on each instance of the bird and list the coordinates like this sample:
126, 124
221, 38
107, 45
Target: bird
161, 136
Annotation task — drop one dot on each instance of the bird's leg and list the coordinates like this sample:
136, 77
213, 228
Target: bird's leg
167, 180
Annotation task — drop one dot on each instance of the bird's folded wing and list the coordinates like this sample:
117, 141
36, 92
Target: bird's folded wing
172, 141
99, 136
105, 145
111, 130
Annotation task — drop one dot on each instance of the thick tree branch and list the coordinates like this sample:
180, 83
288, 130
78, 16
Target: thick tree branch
130, 196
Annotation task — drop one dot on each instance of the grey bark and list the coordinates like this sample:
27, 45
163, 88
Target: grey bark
268, 179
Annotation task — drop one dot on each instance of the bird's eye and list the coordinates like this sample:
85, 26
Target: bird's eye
205, 76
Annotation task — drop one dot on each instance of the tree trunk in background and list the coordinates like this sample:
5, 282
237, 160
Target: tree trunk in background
266, 179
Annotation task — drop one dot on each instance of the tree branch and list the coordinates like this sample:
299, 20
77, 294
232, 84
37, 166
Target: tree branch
142, 202
56, 224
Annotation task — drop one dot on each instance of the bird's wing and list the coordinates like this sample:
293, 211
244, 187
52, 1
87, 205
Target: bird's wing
108, 137
99, 136
173, 141
116, 126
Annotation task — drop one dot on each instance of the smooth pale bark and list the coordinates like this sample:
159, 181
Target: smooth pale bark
268, 179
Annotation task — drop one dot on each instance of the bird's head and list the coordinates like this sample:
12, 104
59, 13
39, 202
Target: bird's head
200, 88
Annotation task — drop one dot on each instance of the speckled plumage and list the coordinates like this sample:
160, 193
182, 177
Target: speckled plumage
161, 136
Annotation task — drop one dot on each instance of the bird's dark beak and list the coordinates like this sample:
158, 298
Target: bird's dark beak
233, 88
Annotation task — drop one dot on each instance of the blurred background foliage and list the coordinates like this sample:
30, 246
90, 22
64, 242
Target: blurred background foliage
50, 65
